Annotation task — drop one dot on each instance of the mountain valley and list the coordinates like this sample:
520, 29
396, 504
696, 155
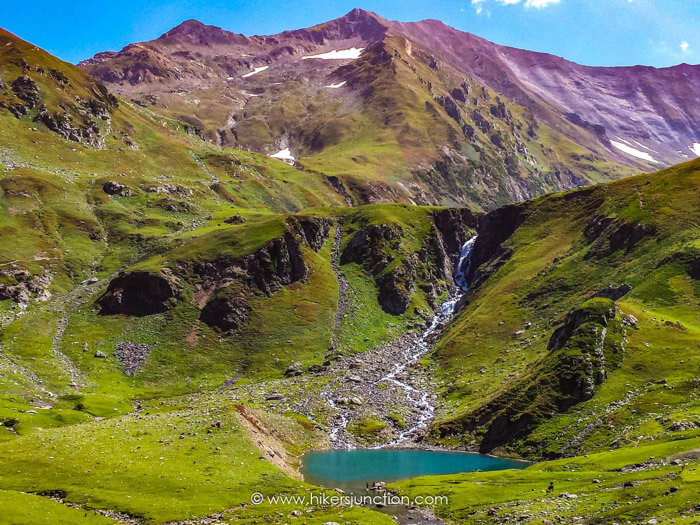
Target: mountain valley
221, 252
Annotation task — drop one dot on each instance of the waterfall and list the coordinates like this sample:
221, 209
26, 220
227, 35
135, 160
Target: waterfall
422, 346
464, 264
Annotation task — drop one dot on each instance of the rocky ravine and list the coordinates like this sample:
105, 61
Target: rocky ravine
390, 380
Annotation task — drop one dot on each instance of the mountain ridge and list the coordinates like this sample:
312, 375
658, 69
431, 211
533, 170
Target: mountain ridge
444, 84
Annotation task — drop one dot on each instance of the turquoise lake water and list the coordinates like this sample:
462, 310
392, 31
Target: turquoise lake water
351, 470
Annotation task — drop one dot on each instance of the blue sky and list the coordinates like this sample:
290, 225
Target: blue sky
595, 32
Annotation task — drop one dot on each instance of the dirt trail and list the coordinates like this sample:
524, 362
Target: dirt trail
64, 306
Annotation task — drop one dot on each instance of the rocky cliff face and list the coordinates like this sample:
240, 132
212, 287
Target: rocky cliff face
138, 293
380, 249
581, 350
222, 287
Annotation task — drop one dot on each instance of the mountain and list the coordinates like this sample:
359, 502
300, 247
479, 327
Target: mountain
424, 113
176, 314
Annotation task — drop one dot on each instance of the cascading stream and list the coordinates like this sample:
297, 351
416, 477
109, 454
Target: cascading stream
417, 398
443, 315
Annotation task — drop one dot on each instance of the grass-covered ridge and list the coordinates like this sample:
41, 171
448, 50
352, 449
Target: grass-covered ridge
639, 233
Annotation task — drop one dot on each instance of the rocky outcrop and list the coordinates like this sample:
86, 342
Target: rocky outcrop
380, 249
277, 264
613, 292
115, 188
493, 229
452, 224
581, 350
21, 286
594, 311
313, 231
87, 132
608, 235
225, 313
26, 89
371, 247
138, 294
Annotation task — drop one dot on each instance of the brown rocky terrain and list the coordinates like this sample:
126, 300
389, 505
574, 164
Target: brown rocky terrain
462, 120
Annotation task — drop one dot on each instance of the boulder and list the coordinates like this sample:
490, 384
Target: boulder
115, 188
137, 293
226, 312
293, 370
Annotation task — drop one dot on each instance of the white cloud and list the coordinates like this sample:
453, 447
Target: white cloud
539, 4
685, 47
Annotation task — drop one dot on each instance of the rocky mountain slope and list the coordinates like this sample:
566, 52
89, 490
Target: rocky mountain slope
418, 112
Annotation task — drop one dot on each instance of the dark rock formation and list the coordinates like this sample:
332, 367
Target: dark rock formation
614, 292
115, 188
458, 94
598, 312
21, 286
26, 90
394, 291
376, 247
62, 124
494, 228
235, 219
335, 183
369, 247
278, 263
480, 121
608, 235
225, 312
313, 231
451, 108
137, 293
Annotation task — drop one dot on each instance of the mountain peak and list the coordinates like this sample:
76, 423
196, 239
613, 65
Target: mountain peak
358, 23
193, 31
361, 14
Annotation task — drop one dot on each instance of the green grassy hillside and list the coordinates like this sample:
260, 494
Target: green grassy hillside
171, 312
641, 232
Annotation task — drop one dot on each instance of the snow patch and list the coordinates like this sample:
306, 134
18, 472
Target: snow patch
338, 54
336, 86
285, 155
626, 148
643, 146
255, 71
695, 148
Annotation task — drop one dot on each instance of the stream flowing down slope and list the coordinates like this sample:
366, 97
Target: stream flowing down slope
377, 381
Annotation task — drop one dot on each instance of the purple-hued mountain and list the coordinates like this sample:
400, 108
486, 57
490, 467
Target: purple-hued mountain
515, 123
